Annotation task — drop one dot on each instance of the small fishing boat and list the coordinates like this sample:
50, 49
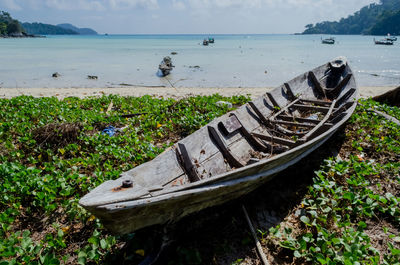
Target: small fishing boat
232, 155
383, 42
210, 40
166, 66
205, 42
330, 40
391, 38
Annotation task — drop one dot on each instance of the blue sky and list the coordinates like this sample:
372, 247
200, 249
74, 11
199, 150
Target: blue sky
183, 16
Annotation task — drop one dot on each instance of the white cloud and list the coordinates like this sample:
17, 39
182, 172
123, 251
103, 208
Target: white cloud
11, 4
122, 4
178, 5
75, 5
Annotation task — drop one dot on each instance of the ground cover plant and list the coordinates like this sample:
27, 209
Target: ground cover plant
350, 213
52, 152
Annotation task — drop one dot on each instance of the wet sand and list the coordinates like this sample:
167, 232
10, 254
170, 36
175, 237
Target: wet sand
166, 92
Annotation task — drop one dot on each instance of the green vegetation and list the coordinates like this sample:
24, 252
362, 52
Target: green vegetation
81, 31
8, 25
351, 214
376, 19
52, 152
46, 29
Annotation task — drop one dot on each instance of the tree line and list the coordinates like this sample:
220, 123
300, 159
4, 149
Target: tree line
8, 25
374, 19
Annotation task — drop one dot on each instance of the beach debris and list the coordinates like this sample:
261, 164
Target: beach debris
174, 53
110, 106
194, 66
93, 77
57, 134
111, 130
265, 72
56, 74
224, 103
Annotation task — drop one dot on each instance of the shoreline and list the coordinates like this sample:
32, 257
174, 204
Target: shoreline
166, 92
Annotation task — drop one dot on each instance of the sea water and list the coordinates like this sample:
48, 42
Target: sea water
232, 61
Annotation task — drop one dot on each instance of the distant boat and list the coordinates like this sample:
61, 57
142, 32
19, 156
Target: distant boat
205, 42
166, 66
391, 38
330, 40
210, 40
383, 42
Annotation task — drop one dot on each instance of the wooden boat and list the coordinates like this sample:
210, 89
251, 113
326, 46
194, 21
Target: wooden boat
232, 155
330, 40
165, 66
391, 38
205, 42
383, 42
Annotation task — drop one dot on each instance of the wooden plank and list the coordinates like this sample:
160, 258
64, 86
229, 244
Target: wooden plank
336, 91
289, 92
345, 97
186, 163
317, 85
298, 119
291, 123
232, 161
291, 104
276, 140
273, 101
327, 116
315, 108
262, 118
319, 102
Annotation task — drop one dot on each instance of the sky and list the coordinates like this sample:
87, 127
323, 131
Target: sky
184, 16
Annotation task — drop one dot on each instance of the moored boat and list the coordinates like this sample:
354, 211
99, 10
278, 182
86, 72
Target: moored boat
166, 66
232, 155
391, 38
330, 40
205, 42
210, 40
383, 42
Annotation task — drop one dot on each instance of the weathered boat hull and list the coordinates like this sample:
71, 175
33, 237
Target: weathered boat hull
222, 161
122, 218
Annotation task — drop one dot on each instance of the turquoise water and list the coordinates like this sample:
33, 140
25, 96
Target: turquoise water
232, 61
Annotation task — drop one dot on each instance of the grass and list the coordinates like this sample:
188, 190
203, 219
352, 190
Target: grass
52, 152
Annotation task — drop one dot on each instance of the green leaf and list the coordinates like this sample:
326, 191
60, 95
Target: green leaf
305, 220
103, 243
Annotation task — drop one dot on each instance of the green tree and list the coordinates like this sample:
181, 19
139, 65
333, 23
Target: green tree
3, 28
14, 27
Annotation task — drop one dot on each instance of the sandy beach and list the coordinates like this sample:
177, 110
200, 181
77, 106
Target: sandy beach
166, 92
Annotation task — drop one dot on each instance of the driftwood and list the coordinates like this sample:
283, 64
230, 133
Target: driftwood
232, 155
386, 116
253, 233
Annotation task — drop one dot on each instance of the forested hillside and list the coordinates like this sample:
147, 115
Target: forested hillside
47, 29
376, 19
